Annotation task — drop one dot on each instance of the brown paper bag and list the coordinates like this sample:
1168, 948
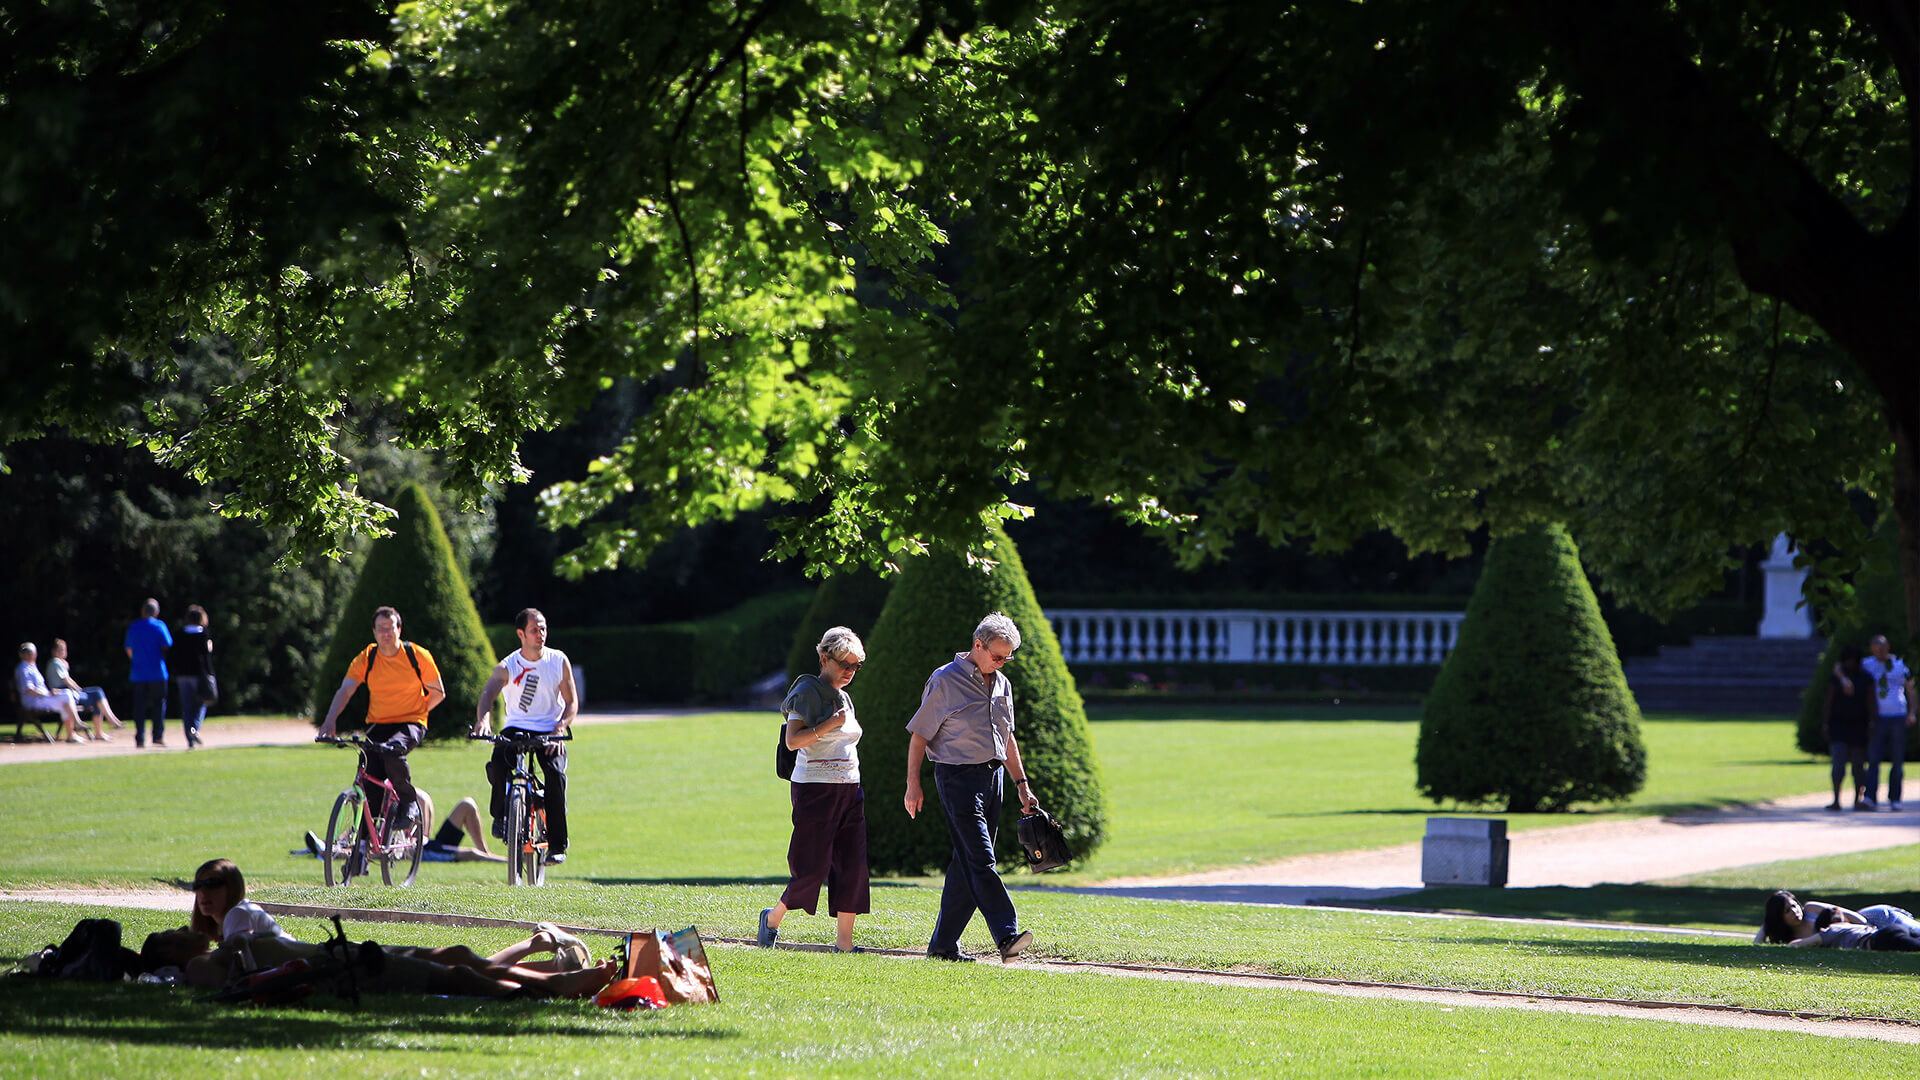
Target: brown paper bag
677, 961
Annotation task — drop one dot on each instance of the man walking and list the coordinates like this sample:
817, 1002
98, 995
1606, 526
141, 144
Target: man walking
403, 686
147, 641
540, 701
965, 726
1891, 687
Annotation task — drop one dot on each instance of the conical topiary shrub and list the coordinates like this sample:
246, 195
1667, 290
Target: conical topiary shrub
1532, 708
413, 571
1880, 593
930, 615
851, 598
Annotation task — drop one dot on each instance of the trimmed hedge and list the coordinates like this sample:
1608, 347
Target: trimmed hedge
1880, 590
697, 661
852, 599
1531, 706
929, 616
416, 573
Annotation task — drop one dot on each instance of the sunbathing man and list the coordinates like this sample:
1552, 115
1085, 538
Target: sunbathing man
444, 846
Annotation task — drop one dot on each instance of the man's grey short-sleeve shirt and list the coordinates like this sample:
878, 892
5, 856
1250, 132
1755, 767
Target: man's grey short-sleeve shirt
965, 718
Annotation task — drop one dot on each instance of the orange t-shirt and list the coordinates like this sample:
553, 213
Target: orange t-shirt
394, 693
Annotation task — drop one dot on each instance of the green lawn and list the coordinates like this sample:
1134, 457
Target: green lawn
1725, 899
693, 797
785, 1013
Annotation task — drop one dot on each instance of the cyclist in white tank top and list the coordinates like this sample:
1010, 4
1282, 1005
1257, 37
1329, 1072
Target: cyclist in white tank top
537, 683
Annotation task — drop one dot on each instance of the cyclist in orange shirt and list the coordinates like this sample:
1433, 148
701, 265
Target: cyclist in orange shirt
403, 686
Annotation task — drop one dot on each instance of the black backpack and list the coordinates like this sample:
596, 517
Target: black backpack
91, 952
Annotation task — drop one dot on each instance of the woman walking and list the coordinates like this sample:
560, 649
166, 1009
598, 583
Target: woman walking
191, 661
829, 808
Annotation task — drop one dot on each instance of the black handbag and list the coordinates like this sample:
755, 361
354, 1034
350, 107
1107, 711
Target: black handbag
208, 691
1042, 843
785, 759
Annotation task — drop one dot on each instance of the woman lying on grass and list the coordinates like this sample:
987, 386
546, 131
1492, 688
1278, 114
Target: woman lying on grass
1816, 925
245, 931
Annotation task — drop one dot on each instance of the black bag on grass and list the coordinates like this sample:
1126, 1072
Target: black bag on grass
91, 952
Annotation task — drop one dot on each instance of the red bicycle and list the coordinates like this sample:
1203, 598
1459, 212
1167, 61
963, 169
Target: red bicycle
355, 836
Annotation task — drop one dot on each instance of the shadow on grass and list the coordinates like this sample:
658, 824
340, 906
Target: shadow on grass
708, 882
1844, 962
176, 1017
1657, 905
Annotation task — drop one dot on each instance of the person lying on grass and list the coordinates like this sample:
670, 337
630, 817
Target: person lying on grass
459, 971
1817, 925
222, 913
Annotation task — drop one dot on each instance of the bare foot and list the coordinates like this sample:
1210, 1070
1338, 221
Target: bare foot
583, 983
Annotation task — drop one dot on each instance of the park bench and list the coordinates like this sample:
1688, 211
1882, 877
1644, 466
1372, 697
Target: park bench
22, 716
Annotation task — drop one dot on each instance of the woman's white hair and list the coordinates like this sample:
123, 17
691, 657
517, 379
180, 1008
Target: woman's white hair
838, 642
997, 627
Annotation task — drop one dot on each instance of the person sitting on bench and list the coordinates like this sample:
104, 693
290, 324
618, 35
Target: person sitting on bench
35, 697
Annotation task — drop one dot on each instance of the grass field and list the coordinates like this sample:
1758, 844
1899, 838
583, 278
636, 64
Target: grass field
1724, 899
678, 822
693, 797
785, 1013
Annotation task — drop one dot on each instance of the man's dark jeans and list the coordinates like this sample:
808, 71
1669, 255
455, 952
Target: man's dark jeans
387, 760
553, 773
149, 703
970, 795
1887, 742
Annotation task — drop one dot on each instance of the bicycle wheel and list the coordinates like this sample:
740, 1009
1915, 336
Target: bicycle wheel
343, 834
402, 851
536, 872
516, 831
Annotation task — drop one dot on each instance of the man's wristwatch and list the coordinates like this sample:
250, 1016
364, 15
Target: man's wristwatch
1020, 782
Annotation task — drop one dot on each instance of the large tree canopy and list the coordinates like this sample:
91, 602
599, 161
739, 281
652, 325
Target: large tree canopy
1309, 269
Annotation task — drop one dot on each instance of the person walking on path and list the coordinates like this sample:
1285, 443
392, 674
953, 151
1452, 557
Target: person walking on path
829, 842
403, 686
965, 727
60, 677
1844, 722
191, 662
147, 641
540, 701
1894, 700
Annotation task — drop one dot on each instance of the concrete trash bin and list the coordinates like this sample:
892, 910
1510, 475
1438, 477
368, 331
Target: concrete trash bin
1464, 851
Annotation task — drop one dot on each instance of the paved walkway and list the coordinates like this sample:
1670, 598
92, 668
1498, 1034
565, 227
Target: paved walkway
230, 734
1620, 851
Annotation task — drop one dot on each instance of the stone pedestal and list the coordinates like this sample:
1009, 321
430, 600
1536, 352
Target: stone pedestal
1783, 616
1464, 851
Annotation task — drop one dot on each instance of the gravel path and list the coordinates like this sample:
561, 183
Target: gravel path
230, 734
1619, 851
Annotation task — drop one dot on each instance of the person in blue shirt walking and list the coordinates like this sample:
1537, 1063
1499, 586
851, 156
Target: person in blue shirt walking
1890, 685
147, 642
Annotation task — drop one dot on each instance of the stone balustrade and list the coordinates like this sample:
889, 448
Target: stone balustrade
1343, 638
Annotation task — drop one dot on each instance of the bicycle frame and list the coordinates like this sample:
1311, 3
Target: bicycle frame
523, 779
370, 834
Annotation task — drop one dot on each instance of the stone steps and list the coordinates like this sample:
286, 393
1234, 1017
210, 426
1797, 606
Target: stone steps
1725, 675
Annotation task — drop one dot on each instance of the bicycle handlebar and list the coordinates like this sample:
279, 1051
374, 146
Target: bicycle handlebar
342, 740
534, 738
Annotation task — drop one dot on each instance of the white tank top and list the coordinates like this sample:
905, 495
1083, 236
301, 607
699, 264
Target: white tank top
532, 693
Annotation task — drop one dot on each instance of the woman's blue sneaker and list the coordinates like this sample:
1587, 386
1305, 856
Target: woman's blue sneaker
767, 933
